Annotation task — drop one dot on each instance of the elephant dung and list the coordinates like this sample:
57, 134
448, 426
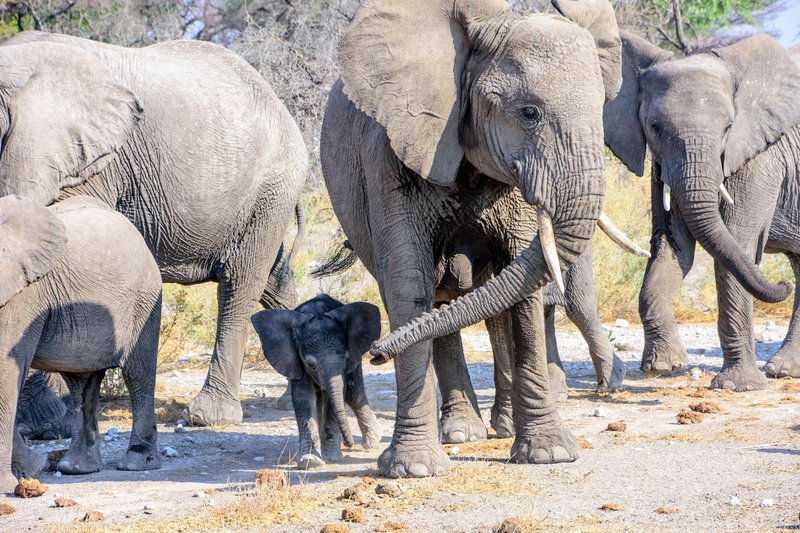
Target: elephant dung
334, 528
393, 489
271, 479
353, 515
666, 510
361, 493
93, 516
611, 507
30, 488
707, 407
689, 417
64, 502
617, 426
7, 508
392, 525
53, 457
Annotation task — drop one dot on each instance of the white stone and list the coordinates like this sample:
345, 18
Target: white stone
169, 452
198, 494
108, 438
258, 459
176, 374
695, 374
621, 323
733, 500
600, 412
454, 450
179, 428
57, 474
767, 502
769, 324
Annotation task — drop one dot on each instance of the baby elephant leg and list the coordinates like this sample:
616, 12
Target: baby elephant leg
356, 398
83, 456
304, 400
329, 431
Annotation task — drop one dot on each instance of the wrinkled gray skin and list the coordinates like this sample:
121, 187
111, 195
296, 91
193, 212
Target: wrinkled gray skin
80, 293
499, 228
186, 140
319, 347
44, 407
727, 116
516, 98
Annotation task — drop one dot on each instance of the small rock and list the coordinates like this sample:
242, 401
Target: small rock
600, 412
176, 374
65, 502
185, 358
198, 494
112, 431
353, 515
7, 508
210, 501
733, 500
29, 488
57, 474
108, 438
617, 426
181, 422
393, 489
169, 452
179, 428
766, 502
695, 374
93, 516
769, 324
258, 459
454, 450
621, 323
624, 346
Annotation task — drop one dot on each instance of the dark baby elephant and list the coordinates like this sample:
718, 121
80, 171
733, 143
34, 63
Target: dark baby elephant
79, 293
319, 347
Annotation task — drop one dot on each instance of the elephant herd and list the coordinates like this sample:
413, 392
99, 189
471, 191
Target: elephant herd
463, 152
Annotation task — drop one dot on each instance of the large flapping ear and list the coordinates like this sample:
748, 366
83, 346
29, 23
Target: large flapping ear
623, 130
276, 330
597, 17
32, 240
766, 97
68, 115
402, 63
362, 324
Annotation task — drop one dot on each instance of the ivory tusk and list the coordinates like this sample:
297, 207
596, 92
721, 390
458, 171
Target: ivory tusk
548, 240
667, 197
616, 235
725, 194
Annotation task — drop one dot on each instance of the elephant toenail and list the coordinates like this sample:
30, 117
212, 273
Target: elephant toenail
419, 470
661, 366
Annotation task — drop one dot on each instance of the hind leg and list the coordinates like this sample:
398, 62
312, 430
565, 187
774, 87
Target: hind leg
41, 411
83, 456
139, 373
786, 361
502, 415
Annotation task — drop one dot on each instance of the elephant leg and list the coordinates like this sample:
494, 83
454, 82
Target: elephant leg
671, 261
284, 401
502, 415
304, 401
541, 436
83, 456
42, 413
25, 462
786, 361
555, 367
356, 397
461, 418
139, 373
329, 432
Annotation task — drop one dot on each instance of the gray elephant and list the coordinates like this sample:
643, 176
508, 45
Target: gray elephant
516, 98
723, 127
187, 141
80, 293
319, 347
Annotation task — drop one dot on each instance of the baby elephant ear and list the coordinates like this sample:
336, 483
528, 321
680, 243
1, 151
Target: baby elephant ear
276, 328
362, 324
32, 240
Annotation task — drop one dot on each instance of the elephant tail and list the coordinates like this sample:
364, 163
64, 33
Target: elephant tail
344, 258
300, 214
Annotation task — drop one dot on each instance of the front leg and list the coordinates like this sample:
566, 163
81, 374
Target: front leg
672, 254
304, 401
541, 436
355, 396
502, 416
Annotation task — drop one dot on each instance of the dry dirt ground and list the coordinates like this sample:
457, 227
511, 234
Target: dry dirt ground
734, 471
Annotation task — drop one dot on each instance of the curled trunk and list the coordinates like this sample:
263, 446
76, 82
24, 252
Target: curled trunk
335, 390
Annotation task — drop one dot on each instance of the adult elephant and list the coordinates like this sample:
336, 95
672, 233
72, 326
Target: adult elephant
722, 127
431, 92
186, 140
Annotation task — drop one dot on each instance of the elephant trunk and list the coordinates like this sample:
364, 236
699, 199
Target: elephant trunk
335, 390
696, 190
580, 196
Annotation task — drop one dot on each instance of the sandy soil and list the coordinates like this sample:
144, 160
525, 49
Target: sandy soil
660, 475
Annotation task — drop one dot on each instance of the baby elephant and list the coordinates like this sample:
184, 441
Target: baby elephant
319, 347
79, 293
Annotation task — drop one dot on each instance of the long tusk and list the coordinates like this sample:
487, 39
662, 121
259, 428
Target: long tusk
622, 240
667, 197
548, 240
725, 194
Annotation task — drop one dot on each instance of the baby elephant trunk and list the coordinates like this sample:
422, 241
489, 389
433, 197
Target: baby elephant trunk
335, 388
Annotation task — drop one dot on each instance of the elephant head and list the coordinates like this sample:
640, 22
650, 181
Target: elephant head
62, 117
519, 97
703, 116
322, 341
32, 240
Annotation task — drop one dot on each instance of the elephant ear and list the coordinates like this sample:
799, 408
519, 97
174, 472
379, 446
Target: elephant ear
276, 329
402, 63
597, 17
623, 130
32, 240
362, 325
68, 115
766, 94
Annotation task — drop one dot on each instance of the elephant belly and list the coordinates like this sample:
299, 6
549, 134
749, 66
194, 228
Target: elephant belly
78, 344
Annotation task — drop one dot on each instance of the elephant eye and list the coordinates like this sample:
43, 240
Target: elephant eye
532, 113
655, 127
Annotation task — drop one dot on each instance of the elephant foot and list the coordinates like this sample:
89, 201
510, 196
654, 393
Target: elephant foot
26, 462
284, 403
739, 377
372, 436
81, 459
558, 382
556, 444
7, 482
502, 420
140, 457
663, 357
612, 378
209, 409
333, 453
462, 425
309, 461
415, 459
784, 364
